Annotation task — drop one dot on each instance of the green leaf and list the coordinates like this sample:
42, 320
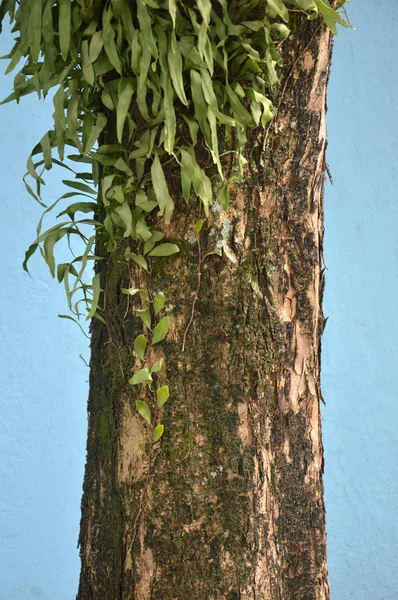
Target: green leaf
212, 252
140, 344
223, 196
141, 376
145, 316
149, 244
95, 132
29, 252
161, 329
163, 395
187, 169
46, 148
75, 321
277, 7
198, 227
157, 365
34, 28
144, 20
141, 229
84, 207
200, 105
108, 36
121, 165
96, 294
64, 26
87, 67
72, 118
158, 302
163, 197
144, 410
82, 187
175, 65
134, 291
126, 90
96, 45
164, 250
124, 212
158, 432
173, 11
139, 260
330, 16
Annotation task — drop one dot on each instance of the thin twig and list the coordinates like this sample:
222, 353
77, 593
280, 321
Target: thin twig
348, 18
327, 169
84, 360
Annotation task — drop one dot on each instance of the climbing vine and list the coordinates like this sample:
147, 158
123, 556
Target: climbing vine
138, 85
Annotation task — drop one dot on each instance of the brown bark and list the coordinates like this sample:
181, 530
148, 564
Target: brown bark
231, 506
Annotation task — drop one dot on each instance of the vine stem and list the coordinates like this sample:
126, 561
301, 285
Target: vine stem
195, 299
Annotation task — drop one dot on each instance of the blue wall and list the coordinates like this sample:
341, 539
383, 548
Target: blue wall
360, 344
43, 392
43, 387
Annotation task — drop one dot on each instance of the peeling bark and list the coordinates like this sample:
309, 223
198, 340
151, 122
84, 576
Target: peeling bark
230, 506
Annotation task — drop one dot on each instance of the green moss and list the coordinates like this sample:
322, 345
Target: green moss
105, 440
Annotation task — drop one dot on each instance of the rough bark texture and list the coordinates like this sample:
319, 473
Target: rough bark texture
231, 506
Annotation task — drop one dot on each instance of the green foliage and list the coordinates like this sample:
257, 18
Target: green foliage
161, 329
140, 344
163, 395
141, 376
164, 79
144, 410
158, 302
158, 432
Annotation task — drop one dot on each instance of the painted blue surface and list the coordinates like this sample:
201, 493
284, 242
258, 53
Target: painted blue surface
360, 355
43, 389
43, 392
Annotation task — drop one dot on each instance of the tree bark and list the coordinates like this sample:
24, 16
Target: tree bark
230, 505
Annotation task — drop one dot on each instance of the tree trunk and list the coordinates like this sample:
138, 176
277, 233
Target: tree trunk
230, 504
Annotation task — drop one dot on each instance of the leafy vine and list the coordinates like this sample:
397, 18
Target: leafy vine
165, 80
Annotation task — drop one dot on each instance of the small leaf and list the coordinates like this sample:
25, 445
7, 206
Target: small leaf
142, 448
124, 212
163, 395
144, 410
175, 65
163, 197
125, 93
157, 365
145, 316
64, 26
223, 196
158, 302
164, 250
276, 7
198, 227
82, 187
142, 376
156, 237
96, 295
211, 252
161, 329
138, 259
158, 432
140, 343
134, 291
